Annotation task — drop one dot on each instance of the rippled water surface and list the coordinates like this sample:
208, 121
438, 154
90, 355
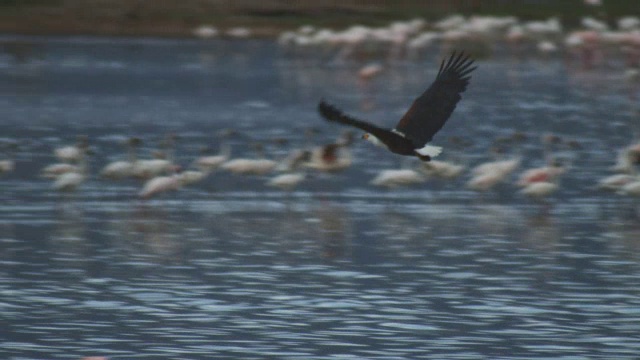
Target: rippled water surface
230, 268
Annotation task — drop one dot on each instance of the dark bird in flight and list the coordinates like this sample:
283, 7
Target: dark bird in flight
425, 117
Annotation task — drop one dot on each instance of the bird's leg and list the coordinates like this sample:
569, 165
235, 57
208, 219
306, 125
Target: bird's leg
423, 157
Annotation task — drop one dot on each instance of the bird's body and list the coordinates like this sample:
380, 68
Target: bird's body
502, 167
540, 174
487, 175
69, 181
286, 181
6, 166
72, 153
442, 169
425, 117
55, 170
485, 181
539, 189
160, 184
149, 168
118, 169
121, 169
209, 163
628, 158
632, 188
249, 166
392, 178
616, 182
329, 158
68, 153
189, 177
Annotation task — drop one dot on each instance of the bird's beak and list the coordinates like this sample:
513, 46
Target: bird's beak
365, 136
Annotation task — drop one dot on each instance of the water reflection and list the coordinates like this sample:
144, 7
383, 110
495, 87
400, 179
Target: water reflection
68, 243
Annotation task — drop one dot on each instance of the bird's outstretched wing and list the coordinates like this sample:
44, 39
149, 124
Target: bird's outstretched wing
331, 113
430, 111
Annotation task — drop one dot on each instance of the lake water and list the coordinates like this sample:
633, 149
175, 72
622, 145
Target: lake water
337, 269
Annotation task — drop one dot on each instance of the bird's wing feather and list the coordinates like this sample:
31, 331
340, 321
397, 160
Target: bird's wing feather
331, 113
430, 111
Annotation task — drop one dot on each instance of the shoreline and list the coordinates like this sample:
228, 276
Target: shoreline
264, 19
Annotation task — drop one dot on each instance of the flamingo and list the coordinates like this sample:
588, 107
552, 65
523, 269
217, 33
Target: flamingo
8, 165
67, 154
289, 180
71, 180
162, 183
545, 173
332, 157
393, 178
189, 177
211, 162
442, 169
286, 181
53, 171
539, 189
616, 182
162, 164
248, 166
627, 158
73, 153
631, 188
123, 168
370, 71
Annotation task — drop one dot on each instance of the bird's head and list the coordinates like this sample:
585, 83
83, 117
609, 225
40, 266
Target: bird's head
372, 139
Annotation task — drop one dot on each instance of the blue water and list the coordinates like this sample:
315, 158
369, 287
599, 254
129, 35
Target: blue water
337, 269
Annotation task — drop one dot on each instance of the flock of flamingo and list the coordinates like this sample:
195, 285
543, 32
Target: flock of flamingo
161, 173
596, 37
595, 41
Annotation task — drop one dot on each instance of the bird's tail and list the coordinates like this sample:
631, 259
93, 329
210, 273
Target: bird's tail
429, 150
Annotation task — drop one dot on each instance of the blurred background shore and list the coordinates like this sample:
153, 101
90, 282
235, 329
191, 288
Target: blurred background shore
172, 18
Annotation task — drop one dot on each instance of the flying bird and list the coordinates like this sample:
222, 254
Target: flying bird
425, 117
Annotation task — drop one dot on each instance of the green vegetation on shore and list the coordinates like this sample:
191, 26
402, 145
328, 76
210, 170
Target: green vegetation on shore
269, 17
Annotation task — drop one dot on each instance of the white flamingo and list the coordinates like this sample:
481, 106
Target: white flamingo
7, 165
162, 164
393, 178
251, 166
615, 182
72, 153
53, 171
627, 158
160, 184
291, 179
442, 169
123, 168
211, 162
540, 189
70, 181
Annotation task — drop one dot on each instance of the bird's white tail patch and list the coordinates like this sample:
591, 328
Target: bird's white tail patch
429, 150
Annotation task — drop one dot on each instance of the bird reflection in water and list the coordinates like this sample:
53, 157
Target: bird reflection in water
335, 230
402, 233
68, 242
497, 219
543, 233
624, 237
151, 234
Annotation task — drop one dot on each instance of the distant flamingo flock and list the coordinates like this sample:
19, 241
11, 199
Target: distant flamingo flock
594, 41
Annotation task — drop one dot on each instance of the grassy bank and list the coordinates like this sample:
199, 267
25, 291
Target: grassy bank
268, 17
